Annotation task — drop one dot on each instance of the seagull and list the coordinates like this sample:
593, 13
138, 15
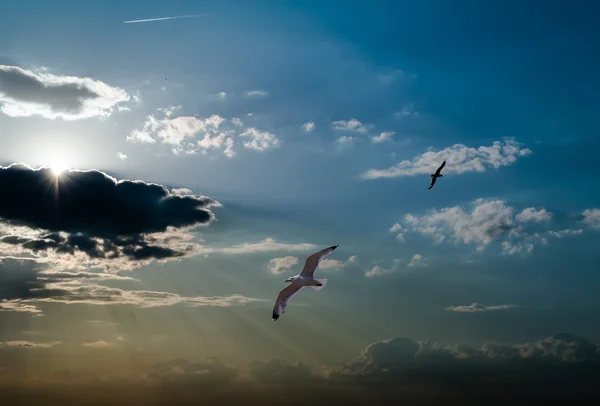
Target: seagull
304, 278
436, 175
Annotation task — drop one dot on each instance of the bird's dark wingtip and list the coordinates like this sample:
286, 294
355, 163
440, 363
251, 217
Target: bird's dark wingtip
334, 246
275, 316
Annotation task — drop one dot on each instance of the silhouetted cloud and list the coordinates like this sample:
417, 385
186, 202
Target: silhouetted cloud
403, 358
92, 213
277, 371
211, 371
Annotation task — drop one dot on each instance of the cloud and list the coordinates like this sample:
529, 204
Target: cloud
259, 140
283, 264
278, 371
308, 126
378, 270
384, 136
406, 111
477, 307
256, 93
350, 125
211, 371
328, 263
222, 95
591, 217
485, 222
189, 134
121, 156
28, 344
24, 93
533, 214
132, 220
460, 159
416, 260
267, 245
402, 358
97, 344
399, 230
345, 140
81, 292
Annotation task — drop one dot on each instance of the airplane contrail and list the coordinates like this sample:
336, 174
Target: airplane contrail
163, 18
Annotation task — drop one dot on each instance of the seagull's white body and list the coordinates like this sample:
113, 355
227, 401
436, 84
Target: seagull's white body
304, 278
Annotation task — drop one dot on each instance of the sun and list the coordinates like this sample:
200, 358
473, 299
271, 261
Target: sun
58, 164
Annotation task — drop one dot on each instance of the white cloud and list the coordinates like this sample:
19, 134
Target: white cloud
256, 93
417, 260
259, 140
222, 95
476, 307
485, 222
308, 126
384, 136
350, 125
378, 270
121, 156
459, 159
345, 140
533, 214
399, 230
591, 217
24, 93
189, 134
284, 264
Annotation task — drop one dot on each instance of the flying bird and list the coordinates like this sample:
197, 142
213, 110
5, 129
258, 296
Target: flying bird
436, 175
304, 278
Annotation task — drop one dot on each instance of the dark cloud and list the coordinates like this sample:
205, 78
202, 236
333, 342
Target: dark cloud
277, 371
93, 213
210, 371
403, 358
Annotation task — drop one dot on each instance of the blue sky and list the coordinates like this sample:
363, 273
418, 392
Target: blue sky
312, 124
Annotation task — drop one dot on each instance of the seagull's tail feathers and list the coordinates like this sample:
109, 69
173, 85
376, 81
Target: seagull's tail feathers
323, 282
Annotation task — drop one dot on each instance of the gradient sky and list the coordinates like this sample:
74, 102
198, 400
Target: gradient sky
312, 123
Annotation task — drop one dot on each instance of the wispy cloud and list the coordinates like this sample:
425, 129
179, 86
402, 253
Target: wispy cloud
164, 18
477, 307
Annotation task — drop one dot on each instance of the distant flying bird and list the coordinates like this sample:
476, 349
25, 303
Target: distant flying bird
304, 278
436, 175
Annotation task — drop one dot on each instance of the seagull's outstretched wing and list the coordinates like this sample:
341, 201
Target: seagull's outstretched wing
283, 298
440, 168
312, 262
433, 179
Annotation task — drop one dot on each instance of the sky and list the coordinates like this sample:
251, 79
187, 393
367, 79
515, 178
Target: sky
162, 179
